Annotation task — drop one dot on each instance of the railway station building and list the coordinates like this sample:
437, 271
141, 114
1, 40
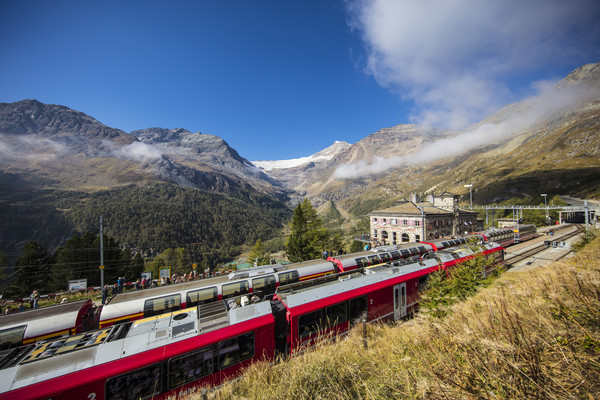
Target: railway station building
415, 221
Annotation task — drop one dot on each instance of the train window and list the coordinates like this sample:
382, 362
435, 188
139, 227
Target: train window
395, 255
234, 289
285, 278
235, 350
310, 323
140, 384
385, 257
405, 253
356, 308
423, 280
336, 314
162, 305
422, 249
362, 262
202, 296
264, 285
374, 259
190, 367
11, 337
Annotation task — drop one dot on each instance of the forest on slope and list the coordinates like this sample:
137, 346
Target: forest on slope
212, 226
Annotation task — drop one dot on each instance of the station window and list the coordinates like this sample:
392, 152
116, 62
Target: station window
235, 350
202, 296
264, 285
234, 289
190, 367
139, 384
285, 278
336, 314
417, 223
310, 323
405, 222
162, 305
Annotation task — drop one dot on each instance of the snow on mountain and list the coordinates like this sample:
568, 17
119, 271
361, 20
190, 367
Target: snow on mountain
323, 155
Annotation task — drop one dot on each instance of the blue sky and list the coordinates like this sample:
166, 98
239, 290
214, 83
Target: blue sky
285, 79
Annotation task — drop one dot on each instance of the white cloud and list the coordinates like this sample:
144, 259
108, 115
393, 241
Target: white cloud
549, 102
30, 148
455, 58
139, 151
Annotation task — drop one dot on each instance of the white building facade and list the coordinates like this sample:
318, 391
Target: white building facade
411, 221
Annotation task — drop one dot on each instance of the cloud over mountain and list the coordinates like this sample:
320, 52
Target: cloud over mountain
551, 100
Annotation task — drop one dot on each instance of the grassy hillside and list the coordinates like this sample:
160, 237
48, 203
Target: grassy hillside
531, 335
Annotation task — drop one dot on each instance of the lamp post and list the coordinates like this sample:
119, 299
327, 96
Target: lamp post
470, 193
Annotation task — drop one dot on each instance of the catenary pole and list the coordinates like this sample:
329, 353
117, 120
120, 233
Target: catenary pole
101, 255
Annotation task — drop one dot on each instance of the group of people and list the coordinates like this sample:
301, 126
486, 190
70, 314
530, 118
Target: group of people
34, 299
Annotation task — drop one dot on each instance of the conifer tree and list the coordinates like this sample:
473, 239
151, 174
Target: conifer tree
32, 270
308, 236
259, 254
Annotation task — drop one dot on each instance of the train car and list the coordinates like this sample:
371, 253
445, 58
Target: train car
442, 244
510, 235
491, 251
260, 281
42, 323
504, 237
158, 357
525, 232
383, 293
379, 255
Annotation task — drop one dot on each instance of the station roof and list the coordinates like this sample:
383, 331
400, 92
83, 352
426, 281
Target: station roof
410, 208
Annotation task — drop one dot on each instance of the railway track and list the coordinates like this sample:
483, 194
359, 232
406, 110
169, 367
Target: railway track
541, 247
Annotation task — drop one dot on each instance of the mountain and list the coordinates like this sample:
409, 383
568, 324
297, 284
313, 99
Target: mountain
60, 169
207, 156
545, 144
293, 173
63, 148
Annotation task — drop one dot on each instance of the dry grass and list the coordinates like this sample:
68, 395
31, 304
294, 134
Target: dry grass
531, 335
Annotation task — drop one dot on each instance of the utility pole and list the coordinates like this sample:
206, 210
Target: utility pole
470, 186
585, 206
101, 256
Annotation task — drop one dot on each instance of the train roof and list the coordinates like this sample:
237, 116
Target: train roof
297, 297
44, 312
60, 356
199, 283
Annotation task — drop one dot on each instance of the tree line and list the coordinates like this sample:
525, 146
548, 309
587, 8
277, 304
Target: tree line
79, 258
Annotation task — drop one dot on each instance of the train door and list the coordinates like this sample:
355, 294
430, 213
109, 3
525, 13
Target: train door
400, 301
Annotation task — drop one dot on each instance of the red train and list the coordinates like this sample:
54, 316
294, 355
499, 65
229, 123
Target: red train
24, 328
171, 353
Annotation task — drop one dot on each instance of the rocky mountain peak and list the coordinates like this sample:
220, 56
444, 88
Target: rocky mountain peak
588, 74
29, 117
